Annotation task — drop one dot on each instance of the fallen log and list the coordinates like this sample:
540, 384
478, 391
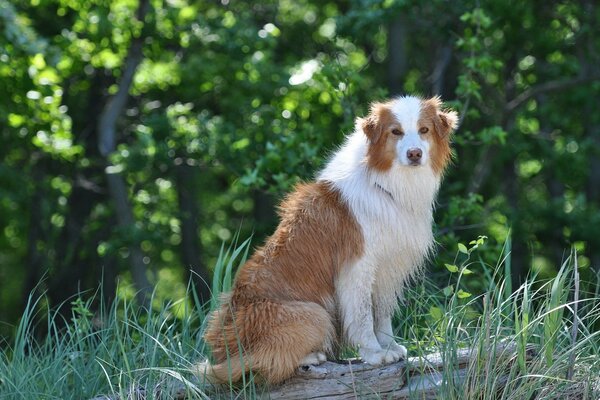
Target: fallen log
351, 379
421, 376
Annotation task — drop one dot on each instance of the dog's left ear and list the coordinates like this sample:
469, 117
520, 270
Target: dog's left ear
445, 121
449, 121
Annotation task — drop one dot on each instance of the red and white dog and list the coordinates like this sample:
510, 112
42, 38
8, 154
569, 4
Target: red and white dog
346, 244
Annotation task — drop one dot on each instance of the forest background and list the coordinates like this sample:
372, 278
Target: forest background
138, 137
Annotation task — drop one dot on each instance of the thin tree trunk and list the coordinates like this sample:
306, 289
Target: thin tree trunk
119, 195
593, 190
519, 261
439, 72
397, 54
554, 240
109, 281
263, 213
187, 179
107, 144
588, 58
33, 261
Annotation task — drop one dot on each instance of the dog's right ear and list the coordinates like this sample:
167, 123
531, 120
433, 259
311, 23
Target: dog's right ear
371, 128
372, 125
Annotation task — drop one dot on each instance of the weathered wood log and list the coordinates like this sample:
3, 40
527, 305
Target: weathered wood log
351, 379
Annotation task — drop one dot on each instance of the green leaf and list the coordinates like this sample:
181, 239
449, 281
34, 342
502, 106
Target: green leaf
448, 290
462, 294
241, 144
16, 120
467, 271
462, 248
436, 313
451, 267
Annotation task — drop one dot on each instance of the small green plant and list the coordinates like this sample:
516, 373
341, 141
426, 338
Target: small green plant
227, 263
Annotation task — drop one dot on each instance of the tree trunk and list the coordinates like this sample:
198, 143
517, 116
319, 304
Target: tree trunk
397, 54
519, 262
109, 281
439, 72
264, 214
33, 260
187, 179
107, 144
118, 192
588, 57
554, 242
593, 190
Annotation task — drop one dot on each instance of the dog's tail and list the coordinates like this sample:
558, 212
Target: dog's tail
228, 371
268, 338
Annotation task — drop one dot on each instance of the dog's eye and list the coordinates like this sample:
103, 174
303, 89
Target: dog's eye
397, 132
424, 130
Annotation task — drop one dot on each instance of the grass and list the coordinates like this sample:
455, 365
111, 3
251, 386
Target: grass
120, 350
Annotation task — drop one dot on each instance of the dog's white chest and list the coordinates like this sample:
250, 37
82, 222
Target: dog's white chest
397, 241
397, 231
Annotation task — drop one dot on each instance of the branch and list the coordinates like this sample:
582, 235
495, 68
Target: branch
548, 87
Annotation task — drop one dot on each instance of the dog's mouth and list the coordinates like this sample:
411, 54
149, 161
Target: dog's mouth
413, 163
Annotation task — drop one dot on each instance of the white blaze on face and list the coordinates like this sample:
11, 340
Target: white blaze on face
407, 111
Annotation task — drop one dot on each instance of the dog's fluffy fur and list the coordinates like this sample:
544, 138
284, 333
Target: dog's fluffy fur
345, 246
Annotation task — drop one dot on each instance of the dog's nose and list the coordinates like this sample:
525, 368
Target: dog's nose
414, 155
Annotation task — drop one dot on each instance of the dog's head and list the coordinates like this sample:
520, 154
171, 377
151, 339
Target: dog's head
410, 132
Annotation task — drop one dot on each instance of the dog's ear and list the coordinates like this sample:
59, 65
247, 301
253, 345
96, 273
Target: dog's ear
371, 127
445, 121
373, 124
449, 121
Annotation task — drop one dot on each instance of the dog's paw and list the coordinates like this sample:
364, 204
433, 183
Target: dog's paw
380, 356
315, 358
397, 348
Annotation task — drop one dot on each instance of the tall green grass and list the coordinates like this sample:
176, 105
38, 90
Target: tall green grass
122, 349
551, 327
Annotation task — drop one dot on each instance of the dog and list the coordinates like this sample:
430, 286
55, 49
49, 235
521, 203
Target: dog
346, 245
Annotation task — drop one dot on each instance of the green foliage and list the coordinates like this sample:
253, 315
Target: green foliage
554, 312
534, 322
235, 102
120, 350
104, 352
225, 269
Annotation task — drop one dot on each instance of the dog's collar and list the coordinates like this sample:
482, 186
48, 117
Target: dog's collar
378, 186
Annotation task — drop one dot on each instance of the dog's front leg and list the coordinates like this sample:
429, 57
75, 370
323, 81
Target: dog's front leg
354, 293
385, 334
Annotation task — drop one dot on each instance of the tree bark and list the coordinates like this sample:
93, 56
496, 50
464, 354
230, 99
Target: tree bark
186, 181
397, 63
439, 72
593, 190
418, 377
120, 197
107, 144
588, 58
33, 260
264, 213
